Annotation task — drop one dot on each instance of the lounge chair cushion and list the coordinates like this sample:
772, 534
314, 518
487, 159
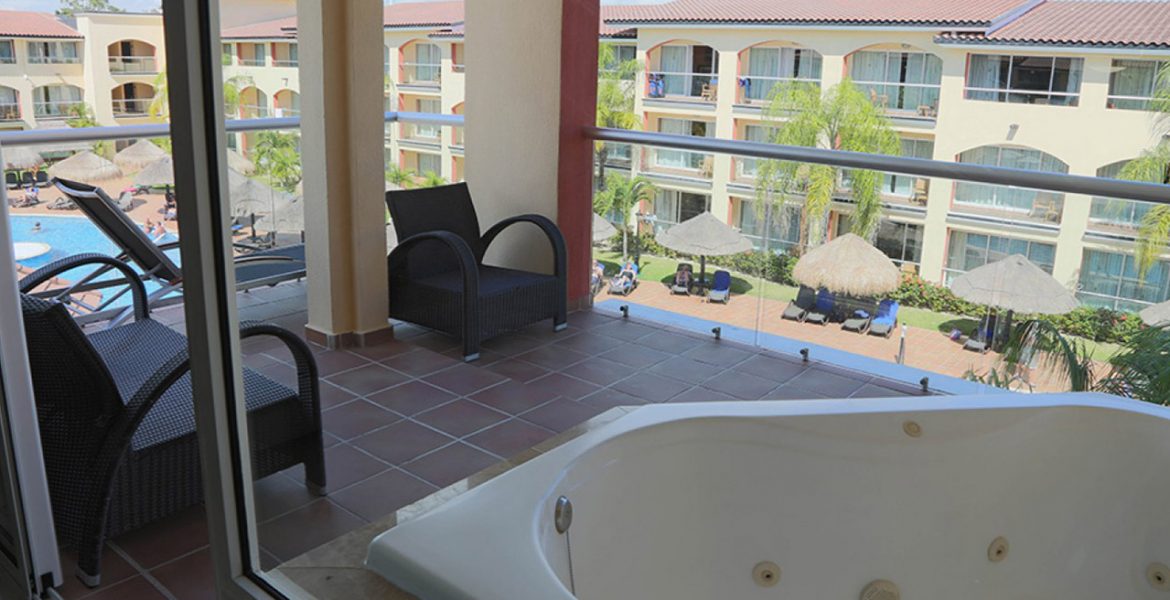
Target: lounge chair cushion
975, 346
876, 328
855, 324
793, 312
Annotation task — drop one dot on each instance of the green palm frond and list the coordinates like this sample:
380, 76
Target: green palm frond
1154, 231
1041, 341
1141, 369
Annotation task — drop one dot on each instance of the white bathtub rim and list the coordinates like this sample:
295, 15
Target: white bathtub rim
408, 555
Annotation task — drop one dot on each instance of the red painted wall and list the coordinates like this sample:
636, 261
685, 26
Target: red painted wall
579, 42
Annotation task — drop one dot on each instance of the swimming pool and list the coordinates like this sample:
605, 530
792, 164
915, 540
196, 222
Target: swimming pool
68, 236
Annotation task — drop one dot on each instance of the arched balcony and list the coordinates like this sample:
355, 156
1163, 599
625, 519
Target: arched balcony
901, 80
682, 70
56, 101
9, 104
1011, 202
1113, 215
420, 64
288, 103
253, 103
132, 57
763, 67
132, 99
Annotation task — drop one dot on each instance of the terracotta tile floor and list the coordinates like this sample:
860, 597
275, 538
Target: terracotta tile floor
407, 418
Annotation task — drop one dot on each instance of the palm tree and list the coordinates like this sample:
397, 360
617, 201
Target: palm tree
842, 118
432, 179
277, 155
621, 194
81, 117
160, 107
615, 100
1154, 230
1140, 369
403, 178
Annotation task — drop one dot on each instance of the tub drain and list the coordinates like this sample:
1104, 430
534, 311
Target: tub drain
766, 574
912, 429
1158, 575
998, 549
880, 589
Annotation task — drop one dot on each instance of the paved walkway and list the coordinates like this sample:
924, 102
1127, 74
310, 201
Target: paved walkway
928, 350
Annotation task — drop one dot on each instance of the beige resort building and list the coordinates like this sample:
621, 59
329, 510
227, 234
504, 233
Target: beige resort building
1052, 85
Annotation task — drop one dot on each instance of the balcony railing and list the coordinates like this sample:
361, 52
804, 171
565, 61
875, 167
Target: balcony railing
422, 74
698, 86
133, 64
9, 111
756, 89
903, 99
253, 111
55, 108
285, 63
131, 107
54, 60
281, 112
252, 62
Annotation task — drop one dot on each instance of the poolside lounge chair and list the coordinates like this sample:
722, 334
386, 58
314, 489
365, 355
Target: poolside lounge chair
624, 283
823, 310
720, 288
983, 337
683, 278
886, 320
797, 310
860, 319
257, 269
42, 178
438, 278
12, 180
117, 423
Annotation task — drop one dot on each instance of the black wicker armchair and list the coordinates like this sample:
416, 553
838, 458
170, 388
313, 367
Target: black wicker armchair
438, 279
117, 418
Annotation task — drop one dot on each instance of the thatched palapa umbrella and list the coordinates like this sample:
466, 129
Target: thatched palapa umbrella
1015, 284
20, 158
160, 173
704, 235
250, 198
138, 156
1157, 315
238, 162
602, 229
85, 167
848, 265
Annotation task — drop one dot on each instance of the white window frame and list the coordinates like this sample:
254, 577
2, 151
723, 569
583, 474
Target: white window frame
1009, 91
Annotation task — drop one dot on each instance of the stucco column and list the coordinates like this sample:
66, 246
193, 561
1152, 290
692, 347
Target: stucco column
529, 97
342, 151
724, 129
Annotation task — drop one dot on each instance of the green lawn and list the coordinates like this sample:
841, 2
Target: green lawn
656, 268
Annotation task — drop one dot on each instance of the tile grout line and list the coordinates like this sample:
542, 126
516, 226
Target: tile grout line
142, 571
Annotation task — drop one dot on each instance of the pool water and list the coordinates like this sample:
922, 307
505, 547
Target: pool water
68, 236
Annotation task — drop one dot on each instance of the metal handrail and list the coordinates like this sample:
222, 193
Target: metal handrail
920, 167
35, 137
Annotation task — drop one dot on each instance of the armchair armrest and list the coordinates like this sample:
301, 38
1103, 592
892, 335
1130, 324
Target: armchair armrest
55, 268
469, 269
308, 386
555, 238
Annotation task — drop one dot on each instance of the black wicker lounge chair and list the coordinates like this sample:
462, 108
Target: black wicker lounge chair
118, 426
257, 269
438, 279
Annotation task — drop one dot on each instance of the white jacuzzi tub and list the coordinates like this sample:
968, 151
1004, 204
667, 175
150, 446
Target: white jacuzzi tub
684, 501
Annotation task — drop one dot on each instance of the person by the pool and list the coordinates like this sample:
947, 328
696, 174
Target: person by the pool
32, 194
36, 228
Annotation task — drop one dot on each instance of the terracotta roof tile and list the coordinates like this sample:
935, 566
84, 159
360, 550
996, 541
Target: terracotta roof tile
276, 28
15, 23
1143, 23
911, 12
423, 14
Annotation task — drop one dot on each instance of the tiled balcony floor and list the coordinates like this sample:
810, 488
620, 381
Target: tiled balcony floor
406, 418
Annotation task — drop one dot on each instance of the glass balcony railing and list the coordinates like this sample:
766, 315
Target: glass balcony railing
9, 111
929, 254
252, 62
131, 107
55, 108
903, 99
421, 74
757, 90
54, 59
133, 64
284, 62
696, 86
